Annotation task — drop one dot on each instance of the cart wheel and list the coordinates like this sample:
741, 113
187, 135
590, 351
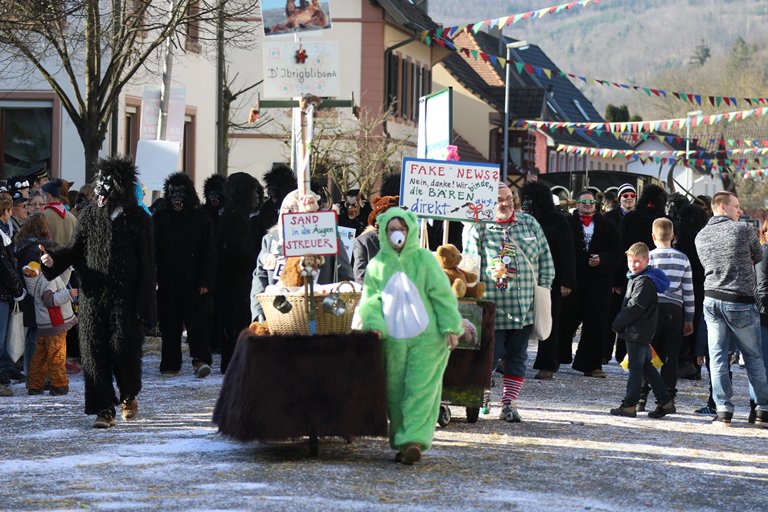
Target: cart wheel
472, 414
444, 418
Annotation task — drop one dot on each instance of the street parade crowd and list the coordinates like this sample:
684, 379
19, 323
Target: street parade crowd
648, 278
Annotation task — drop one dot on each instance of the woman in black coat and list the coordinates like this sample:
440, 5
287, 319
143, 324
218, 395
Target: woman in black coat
597, 248
537, 201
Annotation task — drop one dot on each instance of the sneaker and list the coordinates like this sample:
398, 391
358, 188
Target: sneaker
707, 410
509, 413
627, 412
663, 409
723, 418
544, 375
129, 408
34, 391
59, 391
202, 369
599, 373
761, 418
14, 375
104, 419
5, 391
411, 454
640, 407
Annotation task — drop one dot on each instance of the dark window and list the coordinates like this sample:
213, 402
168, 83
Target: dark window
25, 137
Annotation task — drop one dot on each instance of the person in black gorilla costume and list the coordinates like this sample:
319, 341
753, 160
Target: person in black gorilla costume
213, 196
213, 204
279, 181
112, 249
185, 252
237, 252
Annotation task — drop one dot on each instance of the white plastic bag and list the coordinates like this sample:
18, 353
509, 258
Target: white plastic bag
404, 312
17, 333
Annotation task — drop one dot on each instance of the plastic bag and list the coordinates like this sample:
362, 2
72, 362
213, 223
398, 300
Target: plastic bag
404, 312
17, 333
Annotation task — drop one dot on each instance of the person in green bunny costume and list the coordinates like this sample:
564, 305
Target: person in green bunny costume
409, 302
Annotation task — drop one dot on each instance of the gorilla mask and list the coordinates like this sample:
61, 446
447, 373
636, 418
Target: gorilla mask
115, 183
176, 195
103, 188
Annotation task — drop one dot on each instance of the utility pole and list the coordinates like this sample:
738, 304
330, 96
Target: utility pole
165, 90
222, 106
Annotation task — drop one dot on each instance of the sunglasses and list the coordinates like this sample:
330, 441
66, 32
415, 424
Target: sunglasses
586, 201
628, 195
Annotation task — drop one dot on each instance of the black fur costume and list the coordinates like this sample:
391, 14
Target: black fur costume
279, 181
237, 254
115, 259
185, 251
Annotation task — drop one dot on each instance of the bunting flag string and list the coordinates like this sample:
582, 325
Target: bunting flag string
522, 67
645, 126
500, 23
678, 139
652, 153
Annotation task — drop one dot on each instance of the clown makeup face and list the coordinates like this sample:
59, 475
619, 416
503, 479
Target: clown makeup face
397, 232
104, 186
627, 200
586, 204
176, 197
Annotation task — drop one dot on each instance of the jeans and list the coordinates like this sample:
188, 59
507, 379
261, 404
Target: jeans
512, 346
29, 347
640, 366
5, 314
743, 322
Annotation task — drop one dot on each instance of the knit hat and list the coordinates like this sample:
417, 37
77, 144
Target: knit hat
626, 187
380, 205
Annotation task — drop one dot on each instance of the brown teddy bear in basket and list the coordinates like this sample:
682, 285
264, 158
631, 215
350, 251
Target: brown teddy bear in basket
463, 283
297, 268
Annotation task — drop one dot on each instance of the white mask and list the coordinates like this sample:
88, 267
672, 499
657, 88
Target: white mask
397, 238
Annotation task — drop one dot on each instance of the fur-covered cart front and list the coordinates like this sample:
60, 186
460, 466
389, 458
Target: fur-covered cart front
293, 386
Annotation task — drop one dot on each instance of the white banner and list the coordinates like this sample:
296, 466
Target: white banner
310, 233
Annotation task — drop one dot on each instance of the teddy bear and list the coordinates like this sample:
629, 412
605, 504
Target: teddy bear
259, 328
297, 269
464, 284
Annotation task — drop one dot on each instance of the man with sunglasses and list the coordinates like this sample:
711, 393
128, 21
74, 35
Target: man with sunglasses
597, 246
627, 196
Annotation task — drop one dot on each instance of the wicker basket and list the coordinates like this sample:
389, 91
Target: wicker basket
296, 321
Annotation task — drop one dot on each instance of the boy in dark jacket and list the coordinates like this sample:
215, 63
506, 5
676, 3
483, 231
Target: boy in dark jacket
636, 325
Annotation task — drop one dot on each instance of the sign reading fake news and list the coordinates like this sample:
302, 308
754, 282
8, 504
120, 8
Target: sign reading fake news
310, 233
464, 191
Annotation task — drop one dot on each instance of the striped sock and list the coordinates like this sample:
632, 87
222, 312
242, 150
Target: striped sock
512, 387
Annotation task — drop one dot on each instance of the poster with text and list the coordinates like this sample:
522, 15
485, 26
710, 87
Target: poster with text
317, 71
310, 233
451, 190
291, 16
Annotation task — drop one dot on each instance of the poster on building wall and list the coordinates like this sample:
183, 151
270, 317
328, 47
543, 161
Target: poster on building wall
294, 69
450, 190
150, 112
291, 16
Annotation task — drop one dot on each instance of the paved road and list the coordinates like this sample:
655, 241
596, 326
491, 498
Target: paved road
568, 454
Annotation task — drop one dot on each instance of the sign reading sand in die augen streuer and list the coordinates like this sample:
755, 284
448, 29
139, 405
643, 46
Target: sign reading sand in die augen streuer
455, 190
310, 233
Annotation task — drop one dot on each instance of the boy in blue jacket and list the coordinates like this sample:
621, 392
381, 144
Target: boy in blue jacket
636, 325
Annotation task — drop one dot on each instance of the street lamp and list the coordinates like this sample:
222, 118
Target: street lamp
688, 171
520, 45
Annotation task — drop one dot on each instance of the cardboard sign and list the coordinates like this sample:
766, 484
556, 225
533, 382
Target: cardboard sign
155, 160
463, 191
286, 76
310, 233
347, 236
